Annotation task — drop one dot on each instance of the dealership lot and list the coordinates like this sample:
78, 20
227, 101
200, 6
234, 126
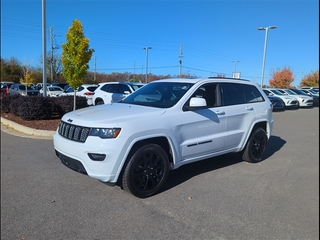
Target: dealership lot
219, 198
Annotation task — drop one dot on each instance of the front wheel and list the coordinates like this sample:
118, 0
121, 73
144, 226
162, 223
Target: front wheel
256, 146
146, 172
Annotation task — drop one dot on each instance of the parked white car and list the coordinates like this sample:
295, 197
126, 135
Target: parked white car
109, 92
304, 101
162, 126
52, 91
85, 90
289, 101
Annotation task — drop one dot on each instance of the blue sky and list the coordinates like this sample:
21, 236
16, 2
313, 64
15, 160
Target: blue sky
216, 36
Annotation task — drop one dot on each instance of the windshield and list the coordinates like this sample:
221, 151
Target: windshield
158, 94
298, 91
277, 92
53, 89
69, 90
135, 87
291, 92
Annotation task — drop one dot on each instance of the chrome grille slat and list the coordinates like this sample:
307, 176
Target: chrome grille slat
73, 132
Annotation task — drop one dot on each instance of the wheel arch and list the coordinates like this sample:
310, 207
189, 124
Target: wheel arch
98, 99
162, 141
262, 124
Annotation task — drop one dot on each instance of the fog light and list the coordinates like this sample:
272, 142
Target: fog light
96, 156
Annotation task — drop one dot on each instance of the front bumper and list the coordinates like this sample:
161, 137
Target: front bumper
76, 155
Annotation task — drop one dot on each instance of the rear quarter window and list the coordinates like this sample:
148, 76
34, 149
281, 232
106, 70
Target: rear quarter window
252, 94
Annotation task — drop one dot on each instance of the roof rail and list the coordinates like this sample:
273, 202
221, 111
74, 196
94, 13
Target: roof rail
240, 79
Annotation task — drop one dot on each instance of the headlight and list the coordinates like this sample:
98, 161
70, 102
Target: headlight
105, 132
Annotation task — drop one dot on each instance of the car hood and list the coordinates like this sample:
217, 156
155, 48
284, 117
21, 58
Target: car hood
302, 96
287, 97
111, 114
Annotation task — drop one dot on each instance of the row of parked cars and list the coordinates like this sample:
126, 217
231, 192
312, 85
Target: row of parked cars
293, 98
109, 92
96, 94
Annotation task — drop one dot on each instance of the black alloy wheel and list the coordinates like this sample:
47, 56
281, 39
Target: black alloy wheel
146, 171
256, 146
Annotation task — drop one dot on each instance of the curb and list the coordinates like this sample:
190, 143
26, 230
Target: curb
27, 130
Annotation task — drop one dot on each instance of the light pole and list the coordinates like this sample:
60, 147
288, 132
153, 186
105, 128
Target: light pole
265, 49
147, 48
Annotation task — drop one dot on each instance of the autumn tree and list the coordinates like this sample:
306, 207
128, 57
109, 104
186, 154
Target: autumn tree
282, 79
75, 57
27, 79
310, 80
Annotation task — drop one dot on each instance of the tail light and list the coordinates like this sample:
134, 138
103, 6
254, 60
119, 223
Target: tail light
89, 93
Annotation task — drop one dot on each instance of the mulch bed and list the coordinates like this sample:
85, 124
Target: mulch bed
50, 125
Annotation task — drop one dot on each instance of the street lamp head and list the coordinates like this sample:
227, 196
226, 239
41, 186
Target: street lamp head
266, 28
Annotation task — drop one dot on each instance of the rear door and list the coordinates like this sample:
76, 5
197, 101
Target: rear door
241, 101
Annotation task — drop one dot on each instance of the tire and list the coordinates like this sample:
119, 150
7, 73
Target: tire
256, 146
99, 102
146, 171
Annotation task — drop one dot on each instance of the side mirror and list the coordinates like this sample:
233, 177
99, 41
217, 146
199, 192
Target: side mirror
196, 103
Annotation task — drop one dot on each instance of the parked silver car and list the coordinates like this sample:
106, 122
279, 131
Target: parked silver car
23, 90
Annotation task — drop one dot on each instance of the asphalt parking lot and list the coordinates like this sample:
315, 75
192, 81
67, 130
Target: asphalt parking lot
218, 198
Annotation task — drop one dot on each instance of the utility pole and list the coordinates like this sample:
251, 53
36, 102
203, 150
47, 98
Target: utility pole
147, 48
95, 74
52, 49
51, 60
180, 60
44, 53
134, 70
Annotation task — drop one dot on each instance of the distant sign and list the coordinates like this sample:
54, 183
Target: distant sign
236, 75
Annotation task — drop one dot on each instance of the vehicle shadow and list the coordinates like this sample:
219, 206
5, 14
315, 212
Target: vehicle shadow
188, 171
275, 143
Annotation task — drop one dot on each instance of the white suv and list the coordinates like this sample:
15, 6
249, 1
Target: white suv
109, 92
304, 100
85, 90
162, 126
289, 101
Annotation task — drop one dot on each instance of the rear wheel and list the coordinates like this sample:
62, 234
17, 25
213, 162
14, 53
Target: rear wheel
256, 146
99, 102
146, 171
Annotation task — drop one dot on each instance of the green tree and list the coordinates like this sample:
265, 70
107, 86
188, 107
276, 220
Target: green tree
310, 80
75, 57
282, 79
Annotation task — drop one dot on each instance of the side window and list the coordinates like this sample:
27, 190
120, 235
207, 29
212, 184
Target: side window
123, 88
210, 92
232, 94
212, 95
105, 87
113, 88
252, 94
267, 92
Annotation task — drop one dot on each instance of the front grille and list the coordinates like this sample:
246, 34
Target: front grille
73, 132
32, 93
